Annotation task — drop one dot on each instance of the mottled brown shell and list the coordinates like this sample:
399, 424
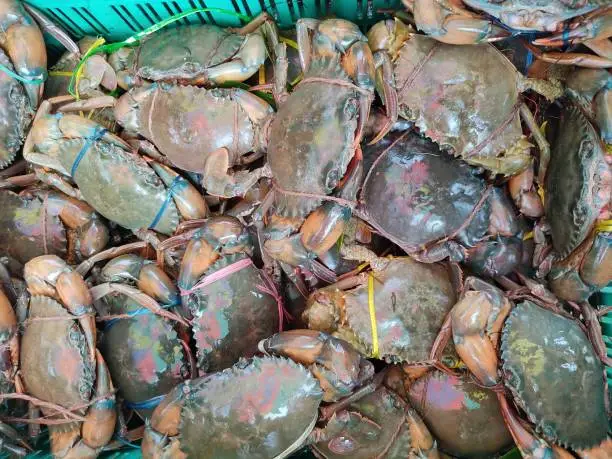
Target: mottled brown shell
231, 316
27, 230
188, 123
459, 96
256, 409
311, 137
465, 419
577, 182
184, 52
120, 185
377, 428
555, 376
15, 114
411, 300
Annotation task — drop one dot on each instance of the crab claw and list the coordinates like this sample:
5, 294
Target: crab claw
524, 194
594, 27
334, 362
24, 43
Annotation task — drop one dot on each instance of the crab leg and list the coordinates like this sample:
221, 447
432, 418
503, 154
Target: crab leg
595, 26
218, 181
543, 144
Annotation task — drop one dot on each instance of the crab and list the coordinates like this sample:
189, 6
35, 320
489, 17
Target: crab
209, 131
586, 21
59, 362
40, 221
313, 147
412, 184
231, 304
467, 99
410, 301
9, 344
546, 362
196, 54
579, 191
265, 407
109, 175
147, 354
465, 419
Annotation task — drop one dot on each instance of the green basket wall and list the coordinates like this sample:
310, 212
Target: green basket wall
116, 20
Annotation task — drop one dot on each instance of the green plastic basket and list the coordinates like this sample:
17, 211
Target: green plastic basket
116, 20
604, 298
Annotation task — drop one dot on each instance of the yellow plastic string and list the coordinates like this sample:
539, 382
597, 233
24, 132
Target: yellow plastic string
60, 73
543, 128
289, 41
609, 149
262, 74
77, 77
604, 226
528, 236
372, 309
297, 79
541, 192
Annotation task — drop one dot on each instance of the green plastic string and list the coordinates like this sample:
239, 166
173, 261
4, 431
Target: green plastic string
135, 39
27, 80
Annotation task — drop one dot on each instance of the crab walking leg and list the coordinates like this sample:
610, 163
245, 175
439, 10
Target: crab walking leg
50, 275
540, 140
281, 66
476, 321
450, 23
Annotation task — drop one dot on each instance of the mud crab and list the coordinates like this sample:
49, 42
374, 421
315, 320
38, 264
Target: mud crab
265, 407
579, 194
59, 361
313, 148
455, 212
546, 362
587, 22
231, 303
38, 222
409, 303
108, 174
196, 54
465, 419
208, 131
146, 354
467, 99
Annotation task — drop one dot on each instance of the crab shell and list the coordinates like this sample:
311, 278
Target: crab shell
421, 187
411, 301
15, 114
28, 230
465, 419
188, 123
312, 137
377, 427
144, 354
262, 408
578, 182
459, 96
534, 14
555, 376
182, 53
231, 316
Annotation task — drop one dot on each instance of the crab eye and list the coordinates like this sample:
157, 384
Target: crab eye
332, 178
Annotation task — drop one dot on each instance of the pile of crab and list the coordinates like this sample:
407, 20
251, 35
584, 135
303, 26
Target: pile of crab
250, 242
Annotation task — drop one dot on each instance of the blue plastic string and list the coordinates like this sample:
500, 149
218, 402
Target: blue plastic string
97, 135
162, 209
145, 404
138, 312
26, 80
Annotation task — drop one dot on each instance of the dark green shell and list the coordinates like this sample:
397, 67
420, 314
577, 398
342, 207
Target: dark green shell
575, 173
555, 376
231, 316
254, 410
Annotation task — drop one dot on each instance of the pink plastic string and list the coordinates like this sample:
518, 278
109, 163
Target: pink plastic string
268, 287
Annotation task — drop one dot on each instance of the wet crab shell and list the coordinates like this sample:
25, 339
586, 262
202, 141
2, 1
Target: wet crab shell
259, 409
183, 52
377, 428
465, 419
422, 188
144, 354
459, 96
15, 114
578, 182
112, 180
555, 376
411, 300
231, 316
312, 136
188, 123
27, 230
